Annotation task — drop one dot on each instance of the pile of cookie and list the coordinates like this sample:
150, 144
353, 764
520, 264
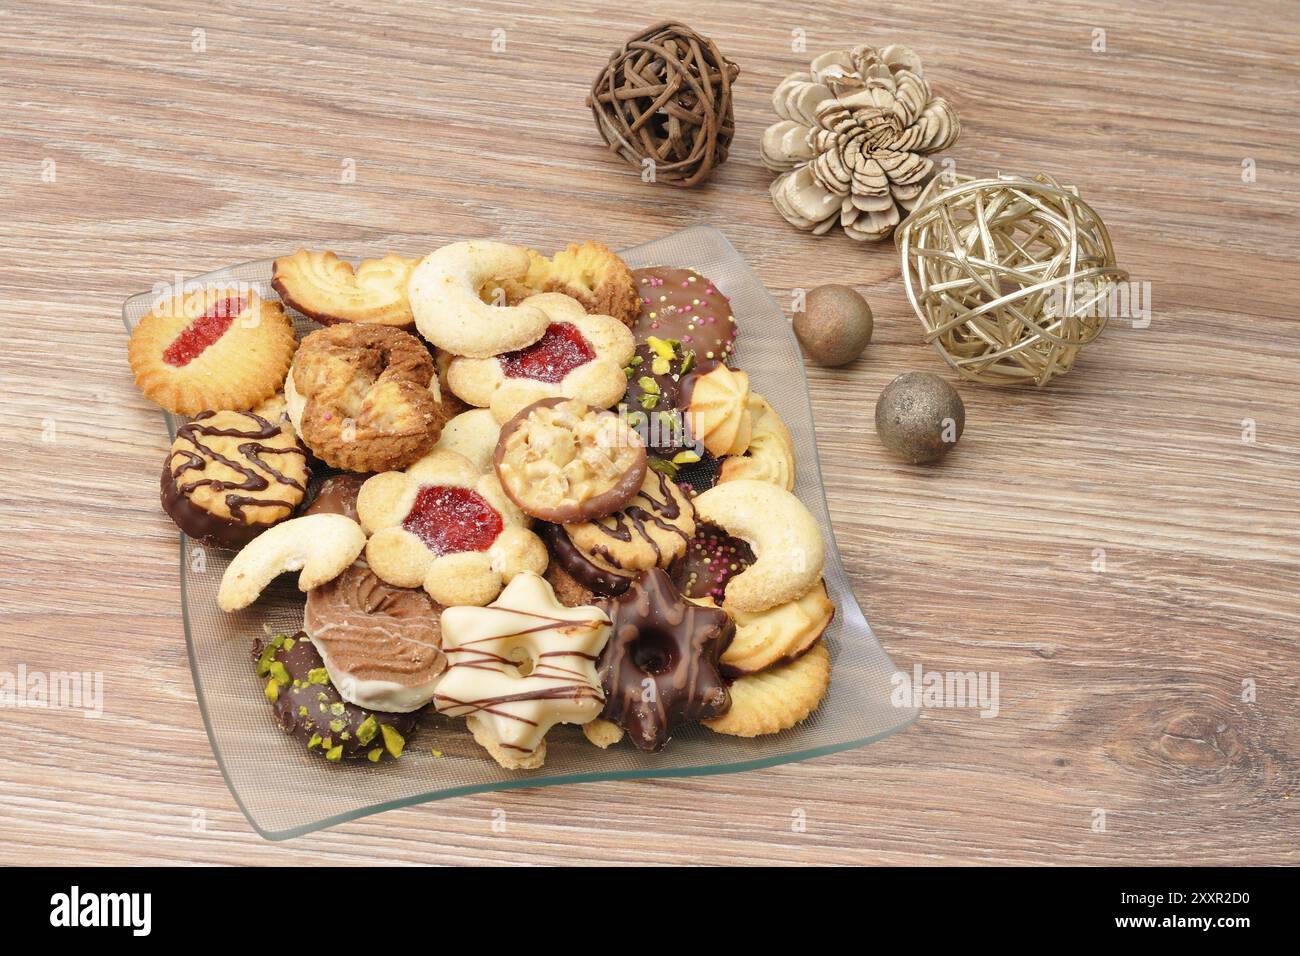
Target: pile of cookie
518, 489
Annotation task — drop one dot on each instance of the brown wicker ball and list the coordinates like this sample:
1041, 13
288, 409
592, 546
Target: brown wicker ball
665, 95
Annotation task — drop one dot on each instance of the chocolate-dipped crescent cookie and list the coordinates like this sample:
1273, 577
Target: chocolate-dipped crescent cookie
662, 641
681, 304
231, 475
307, 705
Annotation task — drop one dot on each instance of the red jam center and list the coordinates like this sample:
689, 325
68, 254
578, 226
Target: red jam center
202, 332
450, 520
550, 358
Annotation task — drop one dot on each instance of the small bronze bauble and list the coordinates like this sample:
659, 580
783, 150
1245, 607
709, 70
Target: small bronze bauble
834, 326
919, 417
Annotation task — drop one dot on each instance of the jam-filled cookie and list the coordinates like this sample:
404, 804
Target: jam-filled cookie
308, 706
231, 475
211, 348
652, 530
580, 356
322, 286
444, 525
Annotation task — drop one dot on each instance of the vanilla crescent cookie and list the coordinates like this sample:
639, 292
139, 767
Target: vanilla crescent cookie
769, 456
323, 287
519, 666
775, 700
321, 546
785, 538
780, 633
448, 311
717, 410
580, 356
213, 348
445, 526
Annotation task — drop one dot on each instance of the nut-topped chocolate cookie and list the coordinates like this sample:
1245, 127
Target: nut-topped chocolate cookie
231, 475
681, 304
308, 706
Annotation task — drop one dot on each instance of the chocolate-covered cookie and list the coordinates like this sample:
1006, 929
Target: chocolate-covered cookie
307, 705
681, 304
653, 403
337, 495
231, 475
561, 460
661, 665
712, 558
576, 566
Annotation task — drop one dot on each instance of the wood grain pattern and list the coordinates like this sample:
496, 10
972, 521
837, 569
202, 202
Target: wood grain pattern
1121, 690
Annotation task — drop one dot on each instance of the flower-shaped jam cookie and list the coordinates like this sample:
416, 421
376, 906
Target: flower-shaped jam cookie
443, 525
519, 666
580, 356
661, 665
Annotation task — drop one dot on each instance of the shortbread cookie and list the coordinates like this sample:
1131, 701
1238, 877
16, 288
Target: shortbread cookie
381, 644
212, 348
683, 305
323, 287
231, 475
717, 410
365, 397
769, 456
580, 356
320, 546
652, 530
444, 526
308, 705
660, 667
473, 434
561, 460
444, 294
588, 272
520, 666
603, 733
780, 633
786, 540
777, 699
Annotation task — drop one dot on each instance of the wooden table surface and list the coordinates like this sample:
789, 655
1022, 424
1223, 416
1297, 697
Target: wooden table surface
144, 140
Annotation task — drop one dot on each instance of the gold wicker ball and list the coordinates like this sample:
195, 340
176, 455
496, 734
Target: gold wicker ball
1011, 277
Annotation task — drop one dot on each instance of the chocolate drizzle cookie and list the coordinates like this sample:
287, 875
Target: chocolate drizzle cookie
652, 530
307, 705
660, 667
681, 304
231, 475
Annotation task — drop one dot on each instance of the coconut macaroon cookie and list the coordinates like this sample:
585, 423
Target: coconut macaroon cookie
563, 461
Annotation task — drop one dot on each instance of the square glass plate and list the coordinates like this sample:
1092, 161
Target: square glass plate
286, 791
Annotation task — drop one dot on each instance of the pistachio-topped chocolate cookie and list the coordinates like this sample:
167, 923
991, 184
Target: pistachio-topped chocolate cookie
307, 705
231, 475
681, 304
